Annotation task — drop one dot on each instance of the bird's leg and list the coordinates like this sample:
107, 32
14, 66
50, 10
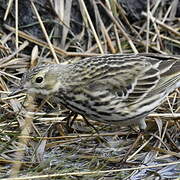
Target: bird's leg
70, 123
90, 125
57, 127
142, 126
68, 120
99, 138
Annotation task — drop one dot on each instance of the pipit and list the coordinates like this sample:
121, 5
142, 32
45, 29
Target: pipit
115, 89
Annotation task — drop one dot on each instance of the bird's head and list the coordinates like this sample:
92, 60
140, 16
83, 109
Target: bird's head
45, 80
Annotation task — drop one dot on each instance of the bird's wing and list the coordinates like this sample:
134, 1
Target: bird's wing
127, 87
127, 80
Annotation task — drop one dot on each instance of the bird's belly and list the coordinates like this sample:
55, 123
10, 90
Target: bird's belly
109, 116
113, 112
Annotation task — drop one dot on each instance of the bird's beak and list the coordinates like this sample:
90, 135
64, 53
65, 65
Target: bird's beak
17, 91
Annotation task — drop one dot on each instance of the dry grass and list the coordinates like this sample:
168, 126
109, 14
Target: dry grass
30, 149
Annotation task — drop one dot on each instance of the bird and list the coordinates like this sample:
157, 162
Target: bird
119, 89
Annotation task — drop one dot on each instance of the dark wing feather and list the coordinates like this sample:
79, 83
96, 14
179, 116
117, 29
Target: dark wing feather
126, 78
129, 77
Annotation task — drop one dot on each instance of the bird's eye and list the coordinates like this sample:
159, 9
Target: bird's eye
39, 79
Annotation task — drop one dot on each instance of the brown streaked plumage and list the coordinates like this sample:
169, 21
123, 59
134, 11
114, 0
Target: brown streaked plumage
115, 89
